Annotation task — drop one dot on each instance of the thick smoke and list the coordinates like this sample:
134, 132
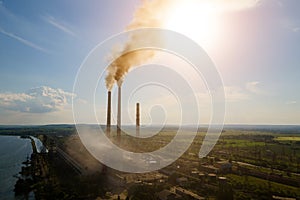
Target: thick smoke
147, 15
110, 77
153, 13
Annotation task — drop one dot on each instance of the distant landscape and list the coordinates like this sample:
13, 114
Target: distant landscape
260, 158
150, 100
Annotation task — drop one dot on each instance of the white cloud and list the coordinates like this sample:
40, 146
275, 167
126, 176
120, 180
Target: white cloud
254, 87
296, 29
36, 100
234, 94
289, 24
59, 25
223, 5
236, 4
22, 40
19, 25
291, 102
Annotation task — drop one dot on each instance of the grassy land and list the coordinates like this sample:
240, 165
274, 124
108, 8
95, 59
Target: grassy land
260, 186
287, 138
252, 152
242, 143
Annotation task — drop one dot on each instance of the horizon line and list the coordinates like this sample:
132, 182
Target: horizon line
227, 124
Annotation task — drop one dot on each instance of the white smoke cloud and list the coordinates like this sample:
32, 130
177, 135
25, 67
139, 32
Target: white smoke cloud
153, 13
36, 100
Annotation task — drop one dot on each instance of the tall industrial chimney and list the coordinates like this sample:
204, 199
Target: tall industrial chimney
119, 113
137, 120
108, 119
137, 114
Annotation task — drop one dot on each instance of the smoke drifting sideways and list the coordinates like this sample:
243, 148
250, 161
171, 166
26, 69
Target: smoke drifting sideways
155, 14
148, 15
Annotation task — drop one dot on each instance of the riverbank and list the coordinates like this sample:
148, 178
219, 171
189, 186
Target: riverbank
13, 152
32, 170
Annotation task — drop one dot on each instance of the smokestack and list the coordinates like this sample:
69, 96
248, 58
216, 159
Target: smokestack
137, 120
119, 113
137, 115
108, 120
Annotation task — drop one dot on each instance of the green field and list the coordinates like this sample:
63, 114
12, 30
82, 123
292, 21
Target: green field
242, 143
288, 138
261, 186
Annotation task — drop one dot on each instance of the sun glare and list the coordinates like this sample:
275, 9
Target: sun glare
199, 21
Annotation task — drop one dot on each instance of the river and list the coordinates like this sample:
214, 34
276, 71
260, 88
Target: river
13, 151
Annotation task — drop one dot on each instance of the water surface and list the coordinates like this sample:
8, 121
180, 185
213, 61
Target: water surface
13, 151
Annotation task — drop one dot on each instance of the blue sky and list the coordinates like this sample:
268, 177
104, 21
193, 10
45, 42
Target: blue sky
43, 43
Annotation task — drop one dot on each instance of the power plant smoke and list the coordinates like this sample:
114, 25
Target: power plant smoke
154, 14
147, 15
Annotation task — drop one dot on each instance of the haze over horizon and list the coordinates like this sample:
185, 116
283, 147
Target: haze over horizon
253, 44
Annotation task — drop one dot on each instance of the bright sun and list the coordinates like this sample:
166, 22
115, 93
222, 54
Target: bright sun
199, 21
